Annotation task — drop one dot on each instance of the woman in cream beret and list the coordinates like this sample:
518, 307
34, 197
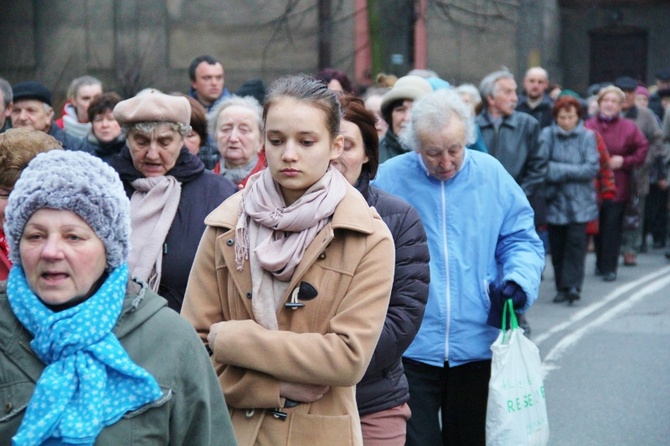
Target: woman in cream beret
169, 188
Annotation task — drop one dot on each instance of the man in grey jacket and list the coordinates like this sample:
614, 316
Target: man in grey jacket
512, 137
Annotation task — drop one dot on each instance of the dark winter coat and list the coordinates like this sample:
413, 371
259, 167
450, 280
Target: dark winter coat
69, 142
104, 151
384, 385
544, 112
390, 146
515, 145
201, 192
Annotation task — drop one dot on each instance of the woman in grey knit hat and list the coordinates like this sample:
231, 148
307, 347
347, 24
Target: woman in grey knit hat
82, 359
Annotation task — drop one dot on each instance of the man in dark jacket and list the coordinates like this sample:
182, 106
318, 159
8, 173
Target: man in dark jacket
32, 109
535, 101
512, 137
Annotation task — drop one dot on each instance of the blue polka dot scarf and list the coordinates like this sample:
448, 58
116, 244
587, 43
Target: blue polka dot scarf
89, 381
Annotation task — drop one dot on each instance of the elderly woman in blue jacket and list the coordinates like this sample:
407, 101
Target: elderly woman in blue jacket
483, 251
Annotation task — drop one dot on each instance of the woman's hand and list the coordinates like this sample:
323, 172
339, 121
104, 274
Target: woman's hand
213, 332
616, 162
304, 393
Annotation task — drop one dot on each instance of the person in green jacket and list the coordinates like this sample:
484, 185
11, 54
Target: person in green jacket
88, 355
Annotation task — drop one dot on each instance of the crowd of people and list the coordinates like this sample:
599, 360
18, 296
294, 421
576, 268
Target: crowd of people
305, 263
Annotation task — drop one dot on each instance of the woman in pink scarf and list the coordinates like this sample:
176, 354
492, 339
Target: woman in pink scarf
291, 281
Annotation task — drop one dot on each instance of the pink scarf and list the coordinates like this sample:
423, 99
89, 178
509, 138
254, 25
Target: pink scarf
282, 233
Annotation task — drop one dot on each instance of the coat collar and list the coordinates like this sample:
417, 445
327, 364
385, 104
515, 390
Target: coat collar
351, 214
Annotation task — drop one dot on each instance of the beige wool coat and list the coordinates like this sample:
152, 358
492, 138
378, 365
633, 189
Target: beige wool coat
329, 341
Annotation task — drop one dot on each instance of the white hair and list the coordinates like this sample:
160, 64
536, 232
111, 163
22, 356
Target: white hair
242, 101
432, 112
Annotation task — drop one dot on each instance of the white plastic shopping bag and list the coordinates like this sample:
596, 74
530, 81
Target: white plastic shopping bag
516, 412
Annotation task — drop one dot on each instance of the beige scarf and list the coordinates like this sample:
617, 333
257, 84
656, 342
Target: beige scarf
152, 209
280, 234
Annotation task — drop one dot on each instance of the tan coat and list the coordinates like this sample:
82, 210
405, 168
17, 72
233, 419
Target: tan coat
327, 342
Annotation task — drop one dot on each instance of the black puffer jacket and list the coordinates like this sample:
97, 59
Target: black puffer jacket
384, 385
201, 192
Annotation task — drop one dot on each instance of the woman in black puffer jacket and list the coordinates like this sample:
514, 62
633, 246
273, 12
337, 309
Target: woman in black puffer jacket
383, 392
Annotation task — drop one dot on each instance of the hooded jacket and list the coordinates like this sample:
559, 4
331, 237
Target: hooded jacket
480, 231
329, 341
190, 412
201, 192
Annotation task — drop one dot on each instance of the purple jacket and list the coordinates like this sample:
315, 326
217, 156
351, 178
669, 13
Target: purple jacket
622, 138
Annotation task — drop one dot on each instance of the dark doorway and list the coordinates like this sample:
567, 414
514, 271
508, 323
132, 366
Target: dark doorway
620, 51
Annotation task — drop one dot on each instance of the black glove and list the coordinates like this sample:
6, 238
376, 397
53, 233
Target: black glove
498, 296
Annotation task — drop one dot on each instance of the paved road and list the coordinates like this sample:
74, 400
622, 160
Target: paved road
606, 358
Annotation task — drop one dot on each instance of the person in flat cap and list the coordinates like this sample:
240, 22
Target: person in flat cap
84, 358
396, 110
169, 188
32, 109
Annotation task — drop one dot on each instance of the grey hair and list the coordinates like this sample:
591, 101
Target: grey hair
241, 101
47, 108
489, 85
472, 91
150, 126
6, 90
79, 82
432, 112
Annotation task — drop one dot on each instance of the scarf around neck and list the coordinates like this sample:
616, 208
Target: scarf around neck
153, 207
283, 233
89, 381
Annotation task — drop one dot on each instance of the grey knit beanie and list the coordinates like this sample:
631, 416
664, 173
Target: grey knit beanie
77, 182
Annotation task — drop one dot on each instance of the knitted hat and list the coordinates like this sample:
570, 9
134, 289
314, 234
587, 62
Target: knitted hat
407, 87
153, 106
31, 90
641, 89
77, 182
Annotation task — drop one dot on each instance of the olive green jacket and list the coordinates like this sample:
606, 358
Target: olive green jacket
192, 410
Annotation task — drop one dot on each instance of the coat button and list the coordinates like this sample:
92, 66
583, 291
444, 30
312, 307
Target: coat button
322, 255
249, 294
230, 242
8, 407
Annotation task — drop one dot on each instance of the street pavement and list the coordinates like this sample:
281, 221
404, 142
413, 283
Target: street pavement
606, 358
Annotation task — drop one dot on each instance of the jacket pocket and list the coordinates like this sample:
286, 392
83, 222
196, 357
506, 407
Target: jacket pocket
14, 399
147, 425
320, 429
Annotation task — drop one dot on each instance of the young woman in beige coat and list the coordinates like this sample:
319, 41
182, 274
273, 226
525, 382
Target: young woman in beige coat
291, 282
